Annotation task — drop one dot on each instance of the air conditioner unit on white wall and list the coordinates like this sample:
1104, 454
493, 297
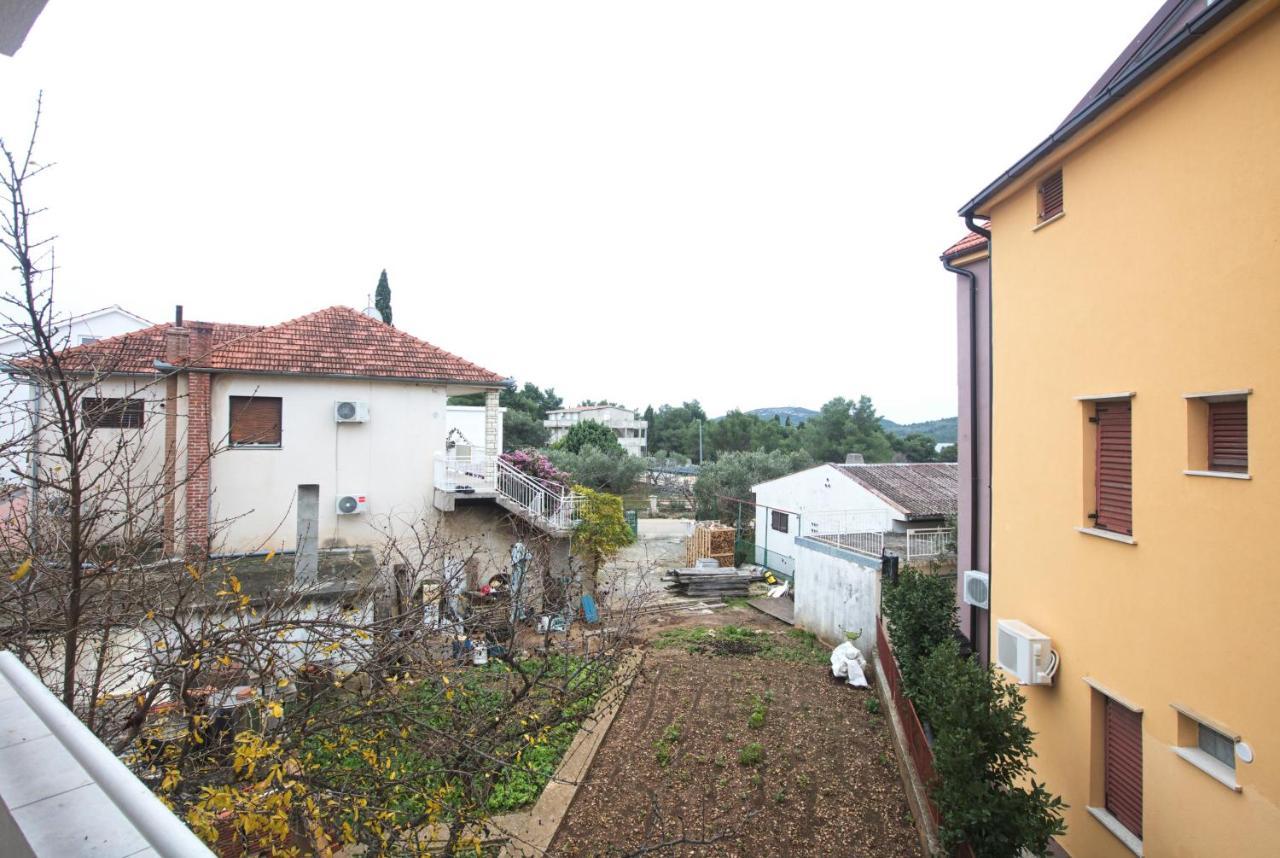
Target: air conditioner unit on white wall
977, 589
1025, 653
347, 411
352, 504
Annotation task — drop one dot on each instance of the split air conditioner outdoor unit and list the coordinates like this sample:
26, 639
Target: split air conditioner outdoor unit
977, 589
351, 412
1025, 653
352, 504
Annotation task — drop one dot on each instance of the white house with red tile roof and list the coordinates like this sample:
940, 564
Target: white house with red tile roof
326, 431
71, 331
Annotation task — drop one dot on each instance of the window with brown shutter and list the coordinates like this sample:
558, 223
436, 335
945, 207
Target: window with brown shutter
1113, 474
1049, 196
111, 413
1229, 436
1122, 763
255, 421
780, 521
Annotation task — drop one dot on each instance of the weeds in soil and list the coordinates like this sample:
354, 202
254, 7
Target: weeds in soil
756, 720
780, 797
797, 645
662, 749
751, 755
873, 705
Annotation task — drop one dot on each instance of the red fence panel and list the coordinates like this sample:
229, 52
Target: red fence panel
917, 744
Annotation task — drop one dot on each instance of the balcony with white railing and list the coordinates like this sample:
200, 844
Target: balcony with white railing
468, 470
930, 543
859, 530
550, 506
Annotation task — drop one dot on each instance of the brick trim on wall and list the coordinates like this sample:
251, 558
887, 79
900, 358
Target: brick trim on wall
198, 452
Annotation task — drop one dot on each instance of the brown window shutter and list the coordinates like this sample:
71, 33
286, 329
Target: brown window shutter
1114, 472
1124, 766
1229, 436
1050, 195
255, 421
111, 413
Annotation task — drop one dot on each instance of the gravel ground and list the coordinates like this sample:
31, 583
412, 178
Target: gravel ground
676, 764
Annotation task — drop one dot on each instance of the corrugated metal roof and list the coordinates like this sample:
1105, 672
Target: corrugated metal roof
916, 489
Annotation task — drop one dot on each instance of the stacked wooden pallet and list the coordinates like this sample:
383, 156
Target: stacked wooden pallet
710, 539
701, 583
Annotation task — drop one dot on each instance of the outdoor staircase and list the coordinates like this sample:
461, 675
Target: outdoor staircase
548, 506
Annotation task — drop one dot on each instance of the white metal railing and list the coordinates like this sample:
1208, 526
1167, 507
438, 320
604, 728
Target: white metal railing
930, 542
837, 521
471, 468
163, 831
545, 502
868, 542
859, 530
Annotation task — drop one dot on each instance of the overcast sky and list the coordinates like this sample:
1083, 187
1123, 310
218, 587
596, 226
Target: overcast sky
648, 201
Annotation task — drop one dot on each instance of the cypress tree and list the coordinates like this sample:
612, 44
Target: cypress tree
382, 298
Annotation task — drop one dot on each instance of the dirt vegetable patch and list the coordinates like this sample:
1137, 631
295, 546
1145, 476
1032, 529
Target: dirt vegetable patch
735, 740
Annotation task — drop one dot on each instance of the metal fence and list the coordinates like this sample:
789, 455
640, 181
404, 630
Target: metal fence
913, 731
760, 555
933, 542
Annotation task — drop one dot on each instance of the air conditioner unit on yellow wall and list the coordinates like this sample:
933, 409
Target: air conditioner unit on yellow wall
1025, 653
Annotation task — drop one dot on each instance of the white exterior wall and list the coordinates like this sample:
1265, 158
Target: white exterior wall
834, 595
469, 420
123, 468
16, 395
821, 489
390, 459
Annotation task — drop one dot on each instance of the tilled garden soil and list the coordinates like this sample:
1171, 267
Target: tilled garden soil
676, 774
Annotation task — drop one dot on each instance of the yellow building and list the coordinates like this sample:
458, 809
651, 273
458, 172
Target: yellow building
1135, 436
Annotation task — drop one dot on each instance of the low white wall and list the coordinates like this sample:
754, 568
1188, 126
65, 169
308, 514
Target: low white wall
834, 595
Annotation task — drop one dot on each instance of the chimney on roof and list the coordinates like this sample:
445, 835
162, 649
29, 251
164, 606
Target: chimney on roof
853, 459
177, 340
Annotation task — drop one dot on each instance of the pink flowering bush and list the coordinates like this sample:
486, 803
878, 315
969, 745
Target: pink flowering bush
536, 465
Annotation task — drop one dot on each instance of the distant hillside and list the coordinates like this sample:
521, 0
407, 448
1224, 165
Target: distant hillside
943, 431
798, 415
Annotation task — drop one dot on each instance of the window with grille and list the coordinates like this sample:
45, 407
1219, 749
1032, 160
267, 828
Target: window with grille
1113, 474
780, 521
111, 413
255, 421
1049, 196
1122, 761
1229, 436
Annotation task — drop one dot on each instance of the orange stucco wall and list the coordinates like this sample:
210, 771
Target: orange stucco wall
1162, 278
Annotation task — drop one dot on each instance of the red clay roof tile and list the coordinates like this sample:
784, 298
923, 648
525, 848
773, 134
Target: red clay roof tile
334, 341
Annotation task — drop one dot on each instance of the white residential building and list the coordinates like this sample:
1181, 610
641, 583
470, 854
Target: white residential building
827, 528
466, 427
326, 431
73, 331
632, 432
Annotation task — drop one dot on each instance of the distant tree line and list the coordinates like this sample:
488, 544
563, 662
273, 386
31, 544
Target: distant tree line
751, 449
841, 427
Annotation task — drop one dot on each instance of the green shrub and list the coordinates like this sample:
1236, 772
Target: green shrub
756, 719
751, 755
981, 753
920, 611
